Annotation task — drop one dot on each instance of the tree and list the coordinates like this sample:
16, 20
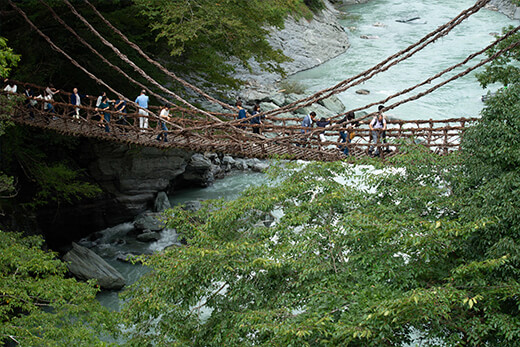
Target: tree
206, 36
372, 263
39, 306
7, 61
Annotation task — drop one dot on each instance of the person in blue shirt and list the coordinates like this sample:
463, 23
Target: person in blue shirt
120, 106
75, 99
257, 120
307, 122
142, 101
241, 112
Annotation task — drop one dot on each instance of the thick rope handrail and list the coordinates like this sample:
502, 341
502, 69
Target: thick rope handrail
106, 61
419, 95
133, 65
74, 62
156, 63
448, 134
423, 42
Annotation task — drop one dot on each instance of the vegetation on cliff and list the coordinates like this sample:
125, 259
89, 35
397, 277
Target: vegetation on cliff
194, 39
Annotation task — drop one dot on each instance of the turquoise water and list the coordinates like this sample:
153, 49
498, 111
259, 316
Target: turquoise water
460, 98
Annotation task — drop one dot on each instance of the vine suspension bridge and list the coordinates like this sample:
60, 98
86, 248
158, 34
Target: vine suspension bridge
280, 133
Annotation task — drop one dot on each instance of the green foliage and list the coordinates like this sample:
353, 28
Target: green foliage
314, 5
38, 305
207, 34
50, 175
8, 59
368, 263
504, 68
59, 183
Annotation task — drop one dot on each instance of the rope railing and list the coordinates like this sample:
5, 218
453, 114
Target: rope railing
156, 63
440, 136
380, 67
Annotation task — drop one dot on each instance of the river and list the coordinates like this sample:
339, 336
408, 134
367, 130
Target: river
461, 98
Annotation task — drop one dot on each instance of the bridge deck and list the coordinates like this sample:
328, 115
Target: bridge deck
279, 136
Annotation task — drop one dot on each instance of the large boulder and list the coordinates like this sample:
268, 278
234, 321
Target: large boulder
85, 265
162, 202
151, 221
333, 104
148, 236
200, 171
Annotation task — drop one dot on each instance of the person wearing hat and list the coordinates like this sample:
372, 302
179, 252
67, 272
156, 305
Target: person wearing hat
142, 101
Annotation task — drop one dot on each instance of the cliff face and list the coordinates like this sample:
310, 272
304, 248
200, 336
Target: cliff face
131, 178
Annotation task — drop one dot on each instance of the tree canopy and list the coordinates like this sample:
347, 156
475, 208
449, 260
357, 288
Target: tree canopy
425, 249
39, 306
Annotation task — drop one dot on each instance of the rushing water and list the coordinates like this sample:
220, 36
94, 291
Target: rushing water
116, 242
460, 98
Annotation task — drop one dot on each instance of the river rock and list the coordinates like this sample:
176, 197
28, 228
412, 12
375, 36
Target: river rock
85, 265
162, 202
241, 164
260, 167
333, 104
199, 171
148, 236
506, 7
268, 106
228, 160
193, 205
151, 221
363, 91
369, 37
277, 98
320, 111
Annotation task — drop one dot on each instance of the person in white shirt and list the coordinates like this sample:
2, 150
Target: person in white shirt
165, 114
377, 127
10, 87
49, 97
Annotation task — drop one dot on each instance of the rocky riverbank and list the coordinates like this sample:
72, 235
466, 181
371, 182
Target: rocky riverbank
506, 7
131, 179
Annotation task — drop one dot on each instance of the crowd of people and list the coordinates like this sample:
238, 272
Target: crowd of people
106, 106
377, 130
